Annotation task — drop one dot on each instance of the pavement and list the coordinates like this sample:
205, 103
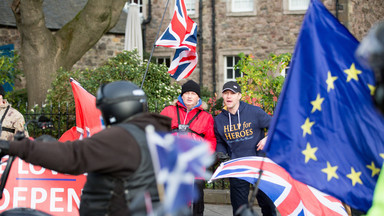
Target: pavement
217, 203
224, 210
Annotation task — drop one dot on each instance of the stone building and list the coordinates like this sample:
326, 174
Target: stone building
225, 29
257, 27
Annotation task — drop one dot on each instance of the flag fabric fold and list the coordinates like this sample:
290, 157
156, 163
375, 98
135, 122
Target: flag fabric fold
290, 197
177, 160
183, 64
88, 117
325, 130
181, 35
378, 199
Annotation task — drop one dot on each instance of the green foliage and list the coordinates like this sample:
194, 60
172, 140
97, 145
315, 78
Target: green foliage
125, 66
215, 105
261, 82
158, 86
9, 68
9, 72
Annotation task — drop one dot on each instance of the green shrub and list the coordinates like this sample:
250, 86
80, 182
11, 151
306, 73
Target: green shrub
9, 68
125, 66
261, 83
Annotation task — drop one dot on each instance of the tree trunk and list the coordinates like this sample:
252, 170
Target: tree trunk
43, 52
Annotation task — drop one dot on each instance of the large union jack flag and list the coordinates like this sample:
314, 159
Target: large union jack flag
181, 35
291, 197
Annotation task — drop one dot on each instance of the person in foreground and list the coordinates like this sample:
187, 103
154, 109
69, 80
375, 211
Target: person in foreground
117, 159
371, 53
188, 117
239, 131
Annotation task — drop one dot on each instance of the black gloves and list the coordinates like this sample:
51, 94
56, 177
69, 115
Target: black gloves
19, 135
220, 156
4, 148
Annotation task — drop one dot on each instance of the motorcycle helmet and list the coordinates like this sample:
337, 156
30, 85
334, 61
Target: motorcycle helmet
120, 100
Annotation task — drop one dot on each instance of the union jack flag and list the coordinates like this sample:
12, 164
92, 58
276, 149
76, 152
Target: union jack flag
183, 63
177, 160
290, 197
181, 34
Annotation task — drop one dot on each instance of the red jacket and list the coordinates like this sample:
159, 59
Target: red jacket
202, 124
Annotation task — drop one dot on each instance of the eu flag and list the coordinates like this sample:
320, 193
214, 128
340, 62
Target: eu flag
326, 131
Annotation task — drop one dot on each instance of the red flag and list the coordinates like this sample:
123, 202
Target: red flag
88, 117
39, 188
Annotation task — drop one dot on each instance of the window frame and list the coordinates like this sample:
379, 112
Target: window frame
288, 10
171, 6
231, 12
226, 68
195, 7
235, 8
164, 58
221, 69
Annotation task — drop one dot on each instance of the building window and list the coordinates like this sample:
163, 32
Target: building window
163, 60
284, 71
298, 5
242, 5
191, 6
140, 3
230, 72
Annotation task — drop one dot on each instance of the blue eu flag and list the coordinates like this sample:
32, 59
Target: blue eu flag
326, 131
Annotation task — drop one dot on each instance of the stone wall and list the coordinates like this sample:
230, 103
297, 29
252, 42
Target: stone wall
108, 46
268, 30
9, 35
363, 14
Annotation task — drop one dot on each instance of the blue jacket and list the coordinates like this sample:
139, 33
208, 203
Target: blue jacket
239, 134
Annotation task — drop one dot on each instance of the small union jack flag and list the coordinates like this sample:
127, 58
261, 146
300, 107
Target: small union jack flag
181, 35
291, 197
183, 63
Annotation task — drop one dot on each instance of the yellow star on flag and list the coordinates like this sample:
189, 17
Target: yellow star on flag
307, 127
375, 170
330, 80
330, 171
352, 73
309, 153
355, 177
382, 155
372, 88
317, 103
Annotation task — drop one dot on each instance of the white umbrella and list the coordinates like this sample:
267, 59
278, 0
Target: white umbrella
133, 37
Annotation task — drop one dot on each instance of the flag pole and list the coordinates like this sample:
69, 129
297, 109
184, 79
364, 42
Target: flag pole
256, 185
154, 45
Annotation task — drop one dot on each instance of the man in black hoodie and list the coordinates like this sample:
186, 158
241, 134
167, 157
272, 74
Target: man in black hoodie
117, 159
239, 131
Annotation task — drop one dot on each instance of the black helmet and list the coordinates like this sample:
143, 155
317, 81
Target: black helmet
120, 100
